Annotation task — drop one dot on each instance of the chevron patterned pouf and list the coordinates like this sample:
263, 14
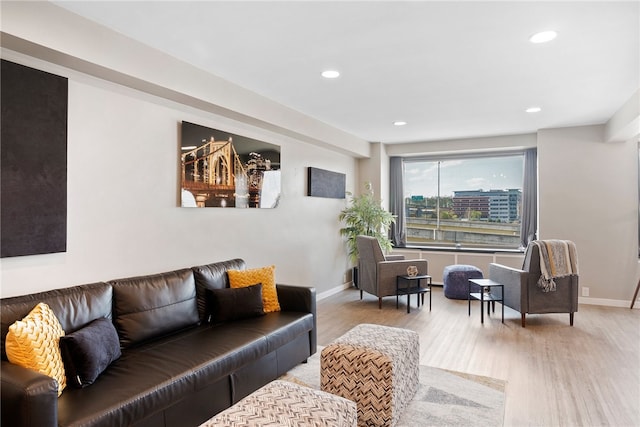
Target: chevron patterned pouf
285, 404
375, 366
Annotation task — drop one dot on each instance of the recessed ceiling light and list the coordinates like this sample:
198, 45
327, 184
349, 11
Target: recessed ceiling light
330, 74
399, 123
543, 36
533, 110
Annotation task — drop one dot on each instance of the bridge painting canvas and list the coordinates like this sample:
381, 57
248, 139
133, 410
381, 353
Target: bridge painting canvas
224, 170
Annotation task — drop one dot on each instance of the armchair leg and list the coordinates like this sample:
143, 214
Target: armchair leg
360, 293
571, 319
522, 318
380, 303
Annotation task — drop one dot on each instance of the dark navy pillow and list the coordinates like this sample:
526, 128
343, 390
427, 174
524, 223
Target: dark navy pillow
87, 352
235, 303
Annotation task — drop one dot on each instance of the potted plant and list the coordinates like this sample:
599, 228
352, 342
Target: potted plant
365, 216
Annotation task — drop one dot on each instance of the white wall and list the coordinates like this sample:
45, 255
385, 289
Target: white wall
588, 193
123, 217
375, 170
126, 102
46, 31
123, 214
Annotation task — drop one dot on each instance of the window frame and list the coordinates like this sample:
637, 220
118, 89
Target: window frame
436, 246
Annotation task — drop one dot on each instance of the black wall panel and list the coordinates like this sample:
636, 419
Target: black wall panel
33, 161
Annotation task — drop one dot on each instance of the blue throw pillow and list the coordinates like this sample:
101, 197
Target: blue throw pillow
87, 352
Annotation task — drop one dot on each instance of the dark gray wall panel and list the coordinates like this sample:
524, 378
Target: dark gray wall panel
33, 161
324, 183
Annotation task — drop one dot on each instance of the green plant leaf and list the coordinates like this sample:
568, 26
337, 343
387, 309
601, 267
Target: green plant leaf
365, 216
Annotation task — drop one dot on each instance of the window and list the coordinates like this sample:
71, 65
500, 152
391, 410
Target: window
468, 202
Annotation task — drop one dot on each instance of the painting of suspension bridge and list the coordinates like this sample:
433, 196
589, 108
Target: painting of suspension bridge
220, 169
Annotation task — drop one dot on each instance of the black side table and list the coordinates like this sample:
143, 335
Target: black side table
490, 292
412, 286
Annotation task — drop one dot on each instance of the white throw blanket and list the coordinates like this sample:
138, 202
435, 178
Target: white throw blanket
558, 258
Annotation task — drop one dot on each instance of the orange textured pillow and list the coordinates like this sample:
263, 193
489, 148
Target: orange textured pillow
264, 275
33, 343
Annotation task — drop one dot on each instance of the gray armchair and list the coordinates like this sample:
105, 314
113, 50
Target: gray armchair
522, 293
377, 273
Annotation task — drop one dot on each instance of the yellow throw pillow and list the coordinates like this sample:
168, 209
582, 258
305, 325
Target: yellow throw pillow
33, 343
264, 275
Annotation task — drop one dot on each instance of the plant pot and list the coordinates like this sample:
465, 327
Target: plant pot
354, 276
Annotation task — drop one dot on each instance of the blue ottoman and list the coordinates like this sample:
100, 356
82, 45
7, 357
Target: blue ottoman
456, 280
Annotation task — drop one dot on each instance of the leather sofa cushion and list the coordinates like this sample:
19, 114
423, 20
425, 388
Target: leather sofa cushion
74, 307
213, 276
279, 328
149, 377
150, 306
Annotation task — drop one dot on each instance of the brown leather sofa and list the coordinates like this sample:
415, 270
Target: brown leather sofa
177, 368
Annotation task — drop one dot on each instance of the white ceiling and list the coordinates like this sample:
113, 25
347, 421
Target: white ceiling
450, 69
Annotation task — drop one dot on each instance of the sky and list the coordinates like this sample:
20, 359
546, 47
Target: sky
494, 173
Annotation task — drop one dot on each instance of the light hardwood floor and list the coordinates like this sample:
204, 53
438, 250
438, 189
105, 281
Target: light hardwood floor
557, 375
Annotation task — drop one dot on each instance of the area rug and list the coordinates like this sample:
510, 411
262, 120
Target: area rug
444, 398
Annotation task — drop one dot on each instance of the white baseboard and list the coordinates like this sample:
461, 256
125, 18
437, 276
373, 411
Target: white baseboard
581, 300
333, 291
607, 302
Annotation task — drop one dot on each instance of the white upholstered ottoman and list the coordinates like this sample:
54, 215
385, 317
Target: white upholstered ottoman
375, 366
285, 404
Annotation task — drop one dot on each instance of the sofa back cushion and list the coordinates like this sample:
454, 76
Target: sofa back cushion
151, 306
74, 307
213, 276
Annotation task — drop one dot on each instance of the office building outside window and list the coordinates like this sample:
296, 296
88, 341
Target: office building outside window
464, 202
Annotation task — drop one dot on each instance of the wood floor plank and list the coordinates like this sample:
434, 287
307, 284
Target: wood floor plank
557, 375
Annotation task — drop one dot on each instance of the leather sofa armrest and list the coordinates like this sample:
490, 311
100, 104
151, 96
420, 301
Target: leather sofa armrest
297, 298
300, 298
394, 257
29, 398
